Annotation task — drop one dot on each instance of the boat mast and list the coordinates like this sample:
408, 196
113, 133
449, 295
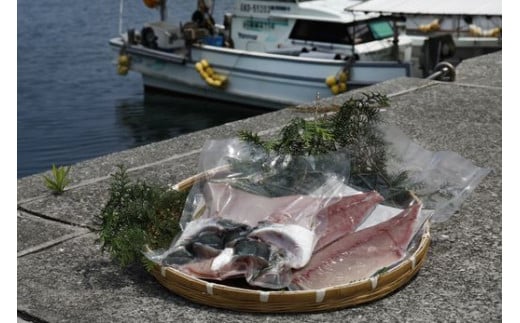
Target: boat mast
121, 17
353, 35
395, 41
162, 9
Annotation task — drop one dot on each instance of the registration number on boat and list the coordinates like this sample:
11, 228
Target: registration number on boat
258, 8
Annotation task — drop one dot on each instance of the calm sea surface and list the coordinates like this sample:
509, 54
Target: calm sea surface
72, 105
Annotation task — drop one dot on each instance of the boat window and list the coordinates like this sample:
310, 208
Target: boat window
381, 29
320, 31
290, 1
361, 32
338, 33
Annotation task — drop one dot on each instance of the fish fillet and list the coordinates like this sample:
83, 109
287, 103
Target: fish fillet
360, 254
346, 215
240, 206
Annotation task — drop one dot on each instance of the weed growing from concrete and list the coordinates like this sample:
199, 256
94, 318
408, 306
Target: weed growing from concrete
58, 180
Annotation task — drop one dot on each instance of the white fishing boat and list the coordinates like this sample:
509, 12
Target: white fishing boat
444, 29
266, 53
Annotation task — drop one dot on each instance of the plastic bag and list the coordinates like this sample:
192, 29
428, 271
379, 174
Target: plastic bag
268, 217
263, 217
442, 180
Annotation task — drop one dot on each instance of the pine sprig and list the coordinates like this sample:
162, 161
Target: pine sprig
354, 128
138, 215
298, 138
302, 137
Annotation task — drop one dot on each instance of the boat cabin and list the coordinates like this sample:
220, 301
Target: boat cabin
319, 29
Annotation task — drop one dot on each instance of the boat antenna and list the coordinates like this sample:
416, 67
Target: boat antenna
162, 10
121, 17
353, 34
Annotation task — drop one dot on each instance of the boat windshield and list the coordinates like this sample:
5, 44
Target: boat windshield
381, 29
340, 33
292, 1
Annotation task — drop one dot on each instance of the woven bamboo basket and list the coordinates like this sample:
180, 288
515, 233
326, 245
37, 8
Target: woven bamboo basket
252, 300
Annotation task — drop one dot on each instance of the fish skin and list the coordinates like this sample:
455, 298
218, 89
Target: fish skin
227, 202
360, 254
237, 205
344, 216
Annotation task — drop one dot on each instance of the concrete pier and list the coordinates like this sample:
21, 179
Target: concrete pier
63, 277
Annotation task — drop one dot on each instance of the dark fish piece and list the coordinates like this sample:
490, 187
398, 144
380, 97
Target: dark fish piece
206, 237
203, 251
210, 239
180, 256
233, 236
250, 247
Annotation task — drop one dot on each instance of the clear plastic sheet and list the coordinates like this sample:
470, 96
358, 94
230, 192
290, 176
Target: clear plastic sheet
263, 217
272, 219
442, 180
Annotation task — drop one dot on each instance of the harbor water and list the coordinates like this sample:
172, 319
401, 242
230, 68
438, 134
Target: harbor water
72, 104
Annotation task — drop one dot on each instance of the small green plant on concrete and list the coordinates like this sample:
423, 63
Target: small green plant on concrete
58, 180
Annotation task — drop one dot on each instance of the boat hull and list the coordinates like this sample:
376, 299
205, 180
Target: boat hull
266, 80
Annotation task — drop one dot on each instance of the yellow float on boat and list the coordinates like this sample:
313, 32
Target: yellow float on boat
152, 3
475, 30
432, 26
123, 64
208, 74
204, 63
330, 80
342, 77
334, 89
342, 87
337, 83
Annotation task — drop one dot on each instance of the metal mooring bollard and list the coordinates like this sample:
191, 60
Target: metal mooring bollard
443, 71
